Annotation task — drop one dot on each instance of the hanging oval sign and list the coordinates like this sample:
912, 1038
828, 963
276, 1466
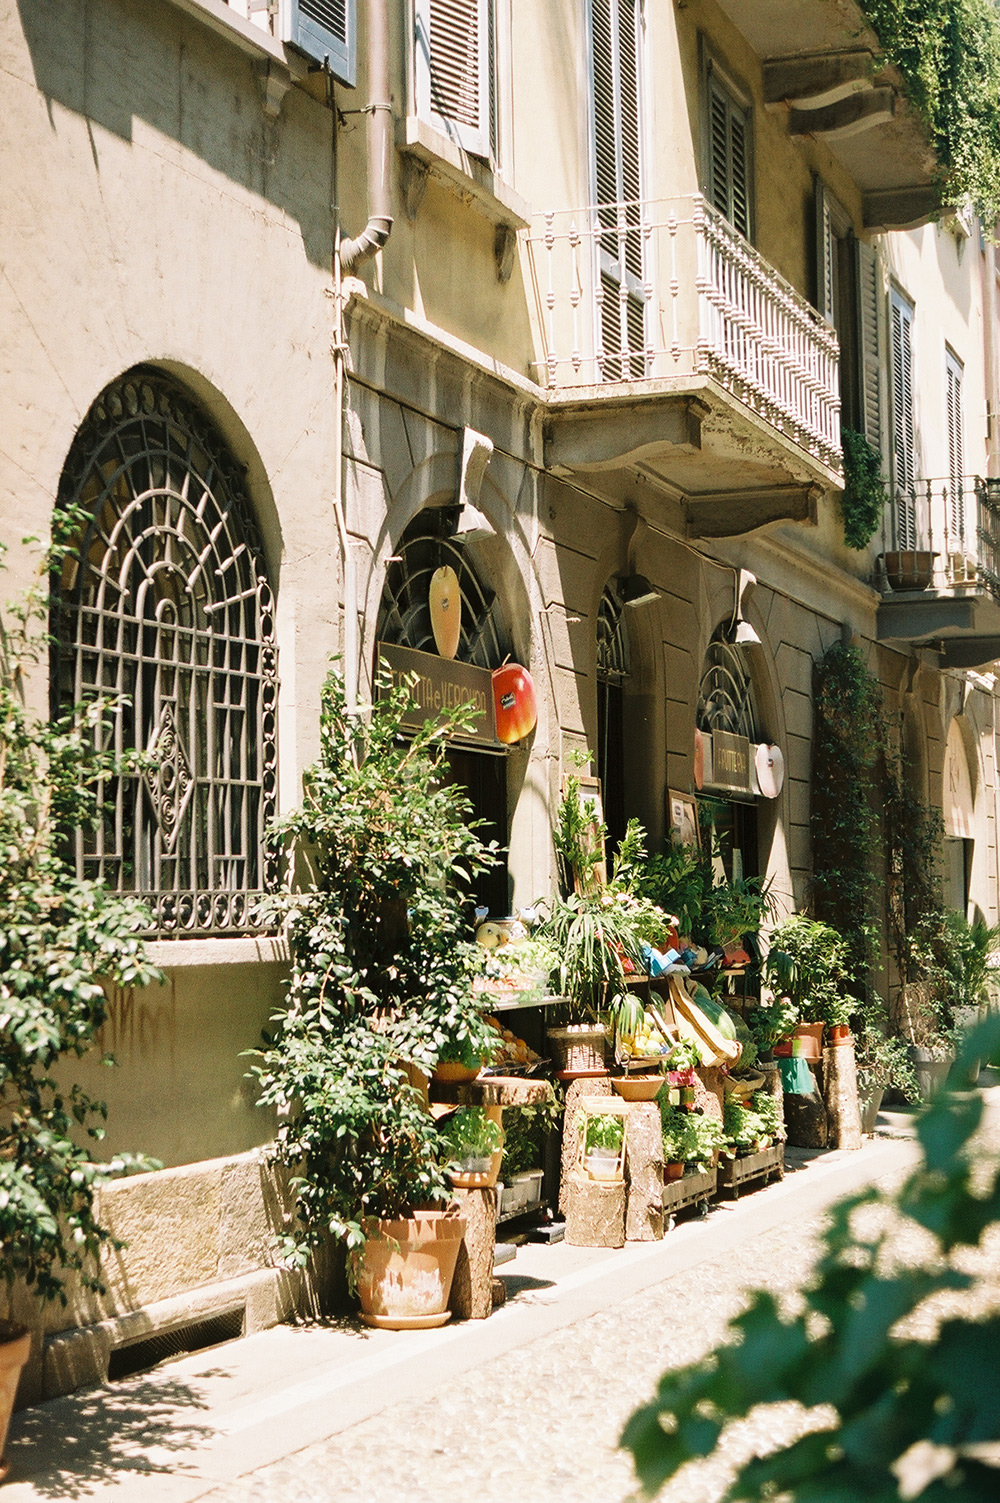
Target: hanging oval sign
445, 601
769, 765
699, 760
514, 702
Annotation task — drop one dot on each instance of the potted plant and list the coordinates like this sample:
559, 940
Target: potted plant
379, 831
753, 1125
702, 1139
603, 1145
807, 963
60, 939
674, 1140
472, 1143
883, 1064
595, 941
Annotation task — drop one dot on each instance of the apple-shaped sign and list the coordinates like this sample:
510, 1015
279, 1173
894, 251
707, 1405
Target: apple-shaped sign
514, 700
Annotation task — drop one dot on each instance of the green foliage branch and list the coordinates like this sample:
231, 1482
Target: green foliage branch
62, 942
864, 497
885, 1388
381, 970
948, 52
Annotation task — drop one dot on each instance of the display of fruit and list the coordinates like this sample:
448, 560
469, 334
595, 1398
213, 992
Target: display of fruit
509, 1049
647, 1039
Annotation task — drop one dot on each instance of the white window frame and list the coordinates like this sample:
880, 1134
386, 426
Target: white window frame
954, 377
903, 433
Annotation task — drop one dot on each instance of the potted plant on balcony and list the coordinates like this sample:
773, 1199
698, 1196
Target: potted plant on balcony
379, 831
61, 941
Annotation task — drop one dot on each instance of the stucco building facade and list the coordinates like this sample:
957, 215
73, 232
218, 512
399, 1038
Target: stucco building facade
643, 261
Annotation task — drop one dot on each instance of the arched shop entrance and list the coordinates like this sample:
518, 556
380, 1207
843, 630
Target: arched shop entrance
406, 630
612, 673
726, 738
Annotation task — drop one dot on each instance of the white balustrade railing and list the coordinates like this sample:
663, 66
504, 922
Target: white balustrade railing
647, 290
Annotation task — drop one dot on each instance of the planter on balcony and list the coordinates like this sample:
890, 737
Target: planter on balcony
909, 569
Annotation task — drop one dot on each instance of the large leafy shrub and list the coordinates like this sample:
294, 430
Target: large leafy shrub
382, 849
62, 941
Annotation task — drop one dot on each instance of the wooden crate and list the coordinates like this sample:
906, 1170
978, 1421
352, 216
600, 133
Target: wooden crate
736, 1174
690, 1190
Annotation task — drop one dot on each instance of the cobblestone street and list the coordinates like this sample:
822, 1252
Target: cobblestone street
543, 1422
528, 1405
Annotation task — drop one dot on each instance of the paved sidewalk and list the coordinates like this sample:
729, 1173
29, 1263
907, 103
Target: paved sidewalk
527, 1404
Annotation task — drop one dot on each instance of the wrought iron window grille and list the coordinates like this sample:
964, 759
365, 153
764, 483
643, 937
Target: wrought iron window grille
164, 608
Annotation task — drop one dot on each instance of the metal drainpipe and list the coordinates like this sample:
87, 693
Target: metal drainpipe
379, 109
347, 254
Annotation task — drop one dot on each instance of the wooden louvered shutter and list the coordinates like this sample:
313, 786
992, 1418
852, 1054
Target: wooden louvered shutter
956, 450
729, 157
615, 95
825, 251
452, 65
871, 345
904, 464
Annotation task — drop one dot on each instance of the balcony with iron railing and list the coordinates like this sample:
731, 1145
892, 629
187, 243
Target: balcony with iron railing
648, 303
939, 569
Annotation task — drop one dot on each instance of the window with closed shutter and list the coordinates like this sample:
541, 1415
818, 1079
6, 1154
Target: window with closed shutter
954, 371
871, 345
904, 448
615, 61
728, 151
454, 45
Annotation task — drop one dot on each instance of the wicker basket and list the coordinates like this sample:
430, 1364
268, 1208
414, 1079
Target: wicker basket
578, 1049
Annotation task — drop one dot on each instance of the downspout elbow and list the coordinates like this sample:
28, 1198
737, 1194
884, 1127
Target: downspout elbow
372, 238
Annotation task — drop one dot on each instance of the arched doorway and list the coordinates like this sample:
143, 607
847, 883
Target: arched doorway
404, 620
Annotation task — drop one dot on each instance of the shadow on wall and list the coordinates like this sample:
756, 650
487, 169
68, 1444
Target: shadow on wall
114, 63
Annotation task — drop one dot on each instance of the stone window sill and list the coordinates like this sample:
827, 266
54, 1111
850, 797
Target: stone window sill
469, 179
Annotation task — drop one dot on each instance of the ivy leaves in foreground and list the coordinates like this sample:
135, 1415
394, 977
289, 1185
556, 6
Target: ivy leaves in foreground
61, 941
888, 1391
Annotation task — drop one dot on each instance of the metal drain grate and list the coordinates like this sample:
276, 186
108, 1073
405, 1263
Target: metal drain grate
149, 1351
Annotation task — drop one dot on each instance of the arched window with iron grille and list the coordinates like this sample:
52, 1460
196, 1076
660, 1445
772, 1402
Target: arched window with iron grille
163, 603
612, 673
725, 703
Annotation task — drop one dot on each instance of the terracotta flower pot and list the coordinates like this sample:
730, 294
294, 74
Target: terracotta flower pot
476, 1174
15, 1348
451, 1071
811, 1037
909, 569
839, 1033
405, 1269
673, 1169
